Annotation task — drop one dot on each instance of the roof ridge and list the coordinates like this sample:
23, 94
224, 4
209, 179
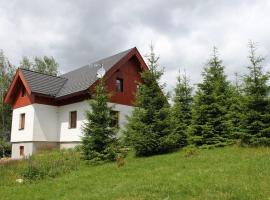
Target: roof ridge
89, 65
56, 76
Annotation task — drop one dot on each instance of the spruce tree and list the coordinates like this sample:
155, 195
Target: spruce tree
99, 139
257, 103
181, 110
209, 125
148, 130
235, 111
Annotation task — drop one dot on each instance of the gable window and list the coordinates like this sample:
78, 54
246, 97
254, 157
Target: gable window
22, 121
115, 119
21, 150
73, 119
23, 92
119, 85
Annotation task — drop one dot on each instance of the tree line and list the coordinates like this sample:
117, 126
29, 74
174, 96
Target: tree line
44, 64
219, 113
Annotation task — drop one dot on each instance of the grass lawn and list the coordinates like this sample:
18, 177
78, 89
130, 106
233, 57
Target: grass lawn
222, 173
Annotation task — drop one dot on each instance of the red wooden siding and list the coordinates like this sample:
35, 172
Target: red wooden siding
130, 74
19, 100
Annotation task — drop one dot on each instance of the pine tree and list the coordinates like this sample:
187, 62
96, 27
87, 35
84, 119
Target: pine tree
98, 142
235, 112
181, 110
257, 103
209, 124
148, 130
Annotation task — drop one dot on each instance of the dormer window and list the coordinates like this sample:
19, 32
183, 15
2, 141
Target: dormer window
119, 85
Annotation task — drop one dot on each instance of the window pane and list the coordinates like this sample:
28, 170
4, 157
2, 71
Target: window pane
119, 85
73, 119
22, 121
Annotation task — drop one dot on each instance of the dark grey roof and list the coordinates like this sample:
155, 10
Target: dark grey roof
75, 81
81, 79
43, 83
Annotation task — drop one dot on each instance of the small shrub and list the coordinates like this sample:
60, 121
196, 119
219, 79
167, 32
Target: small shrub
32, 171
191, 151
78, 148
5, 149
120, 161
50, 164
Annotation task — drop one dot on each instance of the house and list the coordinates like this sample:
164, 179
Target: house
49, 111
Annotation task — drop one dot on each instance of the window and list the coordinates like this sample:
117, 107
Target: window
23, 92
115, 119
119, 85
22, 121
21, 150
73, 119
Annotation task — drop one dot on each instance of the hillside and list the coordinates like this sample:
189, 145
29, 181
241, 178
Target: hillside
223, 173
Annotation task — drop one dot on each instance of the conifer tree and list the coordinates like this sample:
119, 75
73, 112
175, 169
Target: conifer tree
98, 142
257, 103
209, 125
181, 110
148, 129
235, 110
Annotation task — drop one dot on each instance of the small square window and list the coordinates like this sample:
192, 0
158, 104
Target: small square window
21, 150
22, 121
115, 119
73, 119
119, 85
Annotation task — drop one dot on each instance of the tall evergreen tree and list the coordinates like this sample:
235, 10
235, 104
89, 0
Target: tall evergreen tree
148, 129
257, 103
6, 74
209, 125
235, 112
99, 135
181, 110
45, 64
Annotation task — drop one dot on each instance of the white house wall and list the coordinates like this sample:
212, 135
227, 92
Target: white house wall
71, 134
45, 123
74, 134
51, 123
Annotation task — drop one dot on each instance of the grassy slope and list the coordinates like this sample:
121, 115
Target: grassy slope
224, 173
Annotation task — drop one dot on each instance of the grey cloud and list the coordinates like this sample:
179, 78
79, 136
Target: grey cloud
184, 32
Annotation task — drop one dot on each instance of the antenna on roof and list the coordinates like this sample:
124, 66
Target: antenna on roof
101, 71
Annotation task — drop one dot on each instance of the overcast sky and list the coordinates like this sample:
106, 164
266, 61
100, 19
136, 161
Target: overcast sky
183, 32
